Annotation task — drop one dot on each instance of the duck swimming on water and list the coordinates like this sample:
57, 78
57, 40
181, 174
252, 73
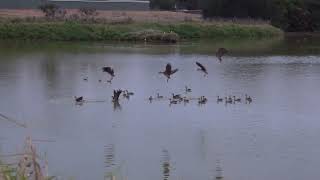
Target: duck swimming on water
150, 99
248, 99
202, 100
228, 100
176, 96
78, 99
159, 97
187, 89
173, 101
219, 99
236, 99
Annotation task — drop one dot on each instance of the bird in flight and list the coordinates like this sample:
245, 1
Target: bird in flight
221, 52
202, 68
110, 71
168, 71
116, 95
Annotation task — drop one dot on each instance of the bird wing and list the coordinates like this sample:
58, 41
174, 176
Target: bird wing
168, 67
108, 70
222, 51
201, 66
174, 71
105, 69
119, 92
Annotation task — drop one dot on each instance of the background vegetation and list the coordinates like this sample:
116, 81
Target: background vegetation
152, 32
289, 15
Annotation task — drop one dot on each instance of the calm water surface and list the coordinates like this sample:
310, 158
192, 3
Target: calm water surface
276, 137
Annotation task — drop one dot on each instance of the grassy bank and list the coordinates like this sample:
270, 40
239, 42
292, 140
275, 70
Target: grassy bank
164, 32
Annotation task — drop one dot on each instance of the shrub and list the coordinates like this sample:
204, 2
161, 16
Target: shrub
88, 12
162, 4
49, 10
292, 16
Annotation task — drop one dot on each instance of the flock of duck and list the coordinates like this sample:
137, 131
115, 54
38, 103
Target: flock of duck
175, 98
178, 99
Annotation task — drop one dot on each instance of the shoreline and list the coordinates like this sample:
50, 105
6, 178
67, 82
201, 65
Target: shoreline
140, 32
140, 26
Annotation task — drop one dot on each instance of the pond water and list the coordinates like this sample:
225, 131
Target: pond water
274, 137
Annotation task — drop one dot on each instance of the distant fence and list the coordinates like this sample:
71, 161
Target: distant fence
97, 4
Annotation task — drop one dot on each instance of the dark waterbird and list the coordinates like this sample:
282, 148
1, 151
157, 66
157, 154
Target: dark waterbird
188, 89
79, 99
150, 99
248, 99
110, 71
127, 94
201, 68
202, 100
173, 101
116, 95
176, 96
228, 100
159, 97
219, 99
186, 100
221, 52
236, 99
168, 72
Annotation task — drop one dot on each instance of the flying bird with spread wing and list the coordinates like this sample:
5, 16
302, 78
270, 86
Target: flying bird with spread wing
168, 72
116, 95
202, 68
221, 52
110, 71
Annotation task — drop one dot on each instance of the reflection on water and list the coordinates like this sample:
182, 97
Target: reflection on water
219, 172
166, 164
116, 105
109, 155
272, 138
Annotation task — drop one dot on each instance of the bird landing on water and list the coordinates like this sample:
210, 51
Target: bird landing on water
110, 71
168, 71
220, 53
116, 94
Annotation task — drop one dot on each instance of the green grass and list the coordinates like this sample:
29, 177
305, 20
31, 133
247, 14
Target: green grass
75, 31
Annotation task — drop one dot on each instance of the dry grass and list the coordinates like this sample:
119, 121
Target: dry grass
163, 26
28, 166
136, 16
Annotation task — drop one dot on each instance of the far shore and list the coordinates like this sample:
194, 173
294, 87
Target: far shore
159, 26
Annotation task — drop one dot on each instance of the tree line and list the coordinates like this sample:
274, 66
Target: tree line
289, 15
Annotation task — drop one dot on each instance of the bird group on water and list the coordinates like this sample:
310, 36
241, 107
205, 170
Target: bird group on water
185, 99
174, 98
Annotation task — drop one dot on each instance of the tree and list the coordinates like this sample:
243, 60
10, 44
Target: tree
162, 4
50, 10
292, 16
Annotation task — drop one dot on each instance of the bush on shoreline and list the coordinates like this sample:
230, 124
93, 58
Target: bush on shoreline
150, 32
